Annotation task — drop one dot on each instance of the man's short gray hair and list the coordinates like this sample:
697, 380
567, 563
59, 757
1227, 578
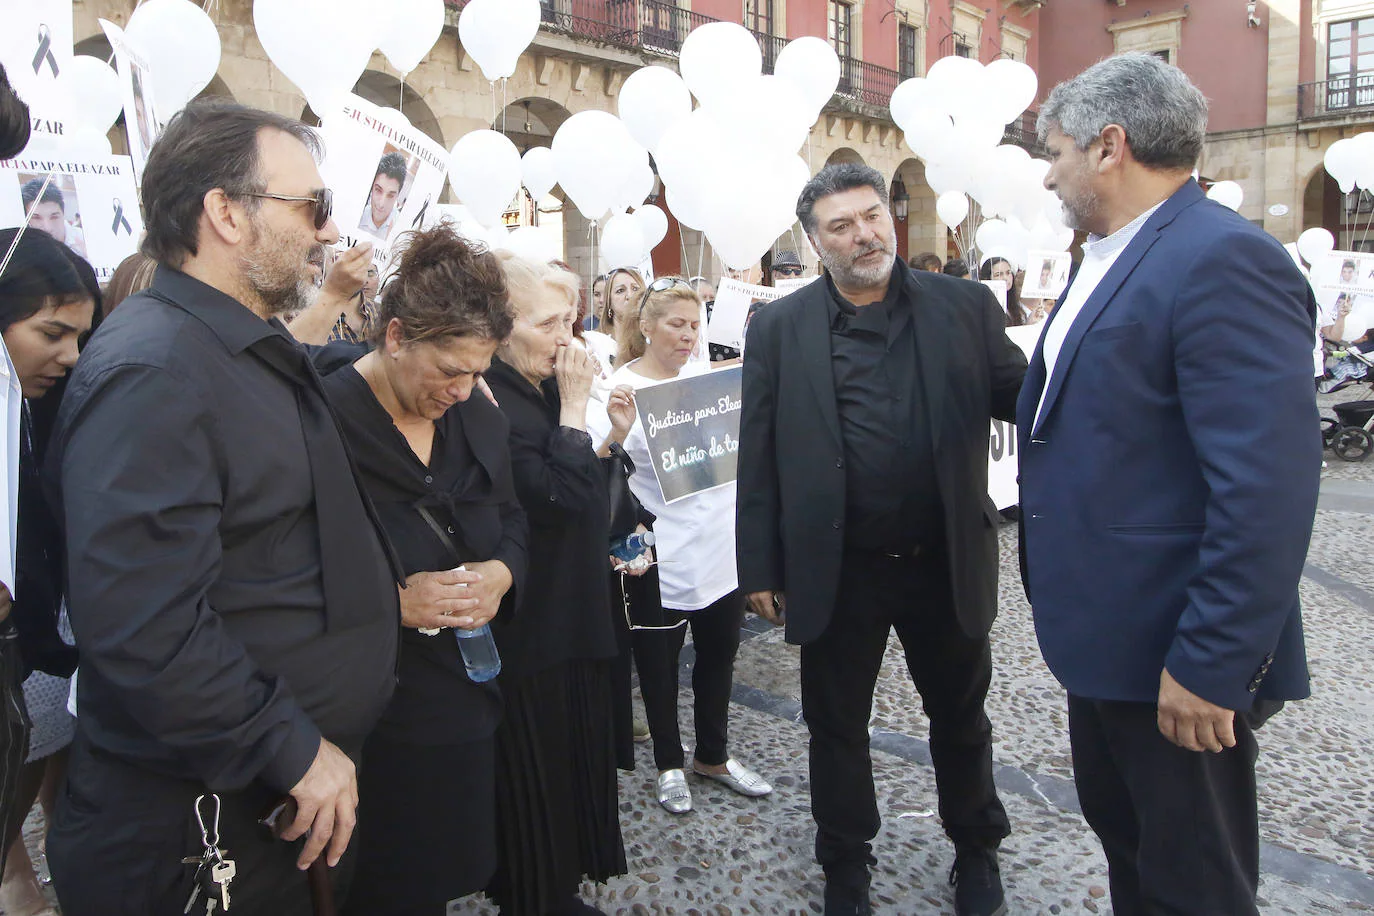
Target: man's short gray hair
1163, 113
836, 179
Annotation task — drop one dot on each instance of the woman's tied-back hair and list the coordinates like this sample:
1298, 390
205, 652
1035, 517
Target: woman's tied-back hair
630, 339
445, 286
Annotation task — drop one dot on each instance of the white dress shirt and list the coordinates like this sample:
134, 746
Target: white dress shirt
1099, 254
13, 396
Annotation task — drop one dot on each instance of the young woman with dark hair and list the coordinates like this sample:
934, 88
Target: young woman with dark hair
49, 300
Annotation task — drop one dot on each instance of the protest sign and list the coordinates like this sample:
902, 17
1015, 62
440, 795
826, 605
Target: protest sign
788, 285
736, 302
386, 175
692, 427
91, 204
142, 125
1345, 272
1046, 275
36, 47
1003, 465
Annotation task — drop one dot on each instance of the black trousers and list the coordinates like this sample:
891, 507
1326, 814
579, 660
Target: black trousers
951, 671
1180, 828
715, 639
120, 832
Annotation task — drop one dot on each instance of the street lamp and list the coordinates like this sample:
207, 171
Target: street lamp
900, 199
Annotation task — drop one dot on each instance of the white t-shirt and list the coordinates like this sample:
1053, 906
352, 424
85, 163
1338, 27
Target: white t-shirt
602, 348
696, 534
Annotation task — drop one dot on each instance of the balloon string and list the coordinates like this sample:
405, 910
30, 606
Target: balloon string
24, 226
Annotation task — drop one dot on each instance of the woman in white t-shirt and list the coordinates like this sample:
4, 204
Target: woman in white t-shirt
696, 549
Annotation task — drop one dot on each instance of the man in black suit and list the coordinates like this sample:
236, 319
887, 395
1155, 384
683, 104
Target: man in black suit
863, 499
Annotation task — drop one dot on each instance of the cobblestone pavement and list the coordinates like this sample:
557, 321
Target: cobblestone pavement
734, 855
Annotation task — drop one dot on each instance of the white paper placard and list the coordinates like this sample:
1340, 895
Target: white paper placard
1047, 273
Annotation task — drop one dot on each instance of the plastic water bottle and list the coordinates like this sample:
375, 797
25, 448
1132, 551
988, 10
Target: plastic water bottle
478, 646
631, 546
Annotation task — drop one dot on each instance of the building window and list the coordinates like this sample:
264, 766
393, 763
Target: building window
1163, 54
961, 47
758, 16
906, 50
841, 28
1350, 63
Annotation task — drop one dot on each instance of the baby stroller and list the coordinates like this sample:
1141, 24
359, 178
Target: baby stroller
1348, 436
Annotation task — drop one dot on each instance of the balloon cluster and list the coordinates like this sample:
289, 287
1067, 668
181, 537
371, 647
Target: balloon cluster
954, 119
323, 46
1351, 162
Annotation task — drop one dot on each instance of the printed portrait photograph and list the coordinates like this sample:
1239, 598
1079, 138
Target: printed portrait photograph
53, 209
386, 193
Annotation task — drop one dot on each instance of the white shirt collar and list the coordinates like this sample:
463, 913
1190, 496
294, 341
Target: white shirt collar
1098, 246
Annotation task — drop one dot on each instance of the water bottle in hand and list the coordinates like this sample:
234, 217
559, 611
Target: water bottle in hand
478, 646
626, 549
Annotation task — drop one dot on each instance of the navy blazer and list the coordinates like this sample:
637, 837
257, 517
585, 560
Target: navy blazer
1168, 492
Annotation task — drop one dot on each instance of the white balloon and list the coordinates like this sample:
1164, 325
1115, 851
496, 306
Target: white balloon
952, 208
810, 64
1010, 87
593, 153
930, 134
328, 65
182, 48
912, 96
537, 172
958, 81
496, 32
1227, 193
1364, 171
1342, 161
943, 177
622, 241
650, 101
413, 29
531, 244
635, 185
768, 114
94, 96
653, 225
994, 234
86, 142
1315, 242
484, 168
689, 209
717, 58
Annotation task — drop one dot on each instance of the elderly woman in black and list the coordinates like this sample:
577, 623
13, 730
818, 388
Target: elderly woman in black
433, 459
557, 749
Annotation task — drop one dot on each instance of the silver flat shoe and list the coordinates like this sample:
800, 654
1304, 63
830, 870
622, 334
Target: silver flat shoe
673, 793
739, 778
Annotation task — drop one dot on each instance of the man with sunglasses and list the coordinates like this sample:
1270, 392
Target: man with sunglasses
235, 604
786, 266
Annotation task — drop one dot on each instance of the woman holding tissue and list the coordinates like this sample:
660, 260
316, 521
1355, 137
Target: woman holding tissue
558, 814
696, 547
435, 464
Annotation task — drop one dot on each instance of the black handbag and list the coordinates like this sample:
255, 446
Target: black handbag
626, 512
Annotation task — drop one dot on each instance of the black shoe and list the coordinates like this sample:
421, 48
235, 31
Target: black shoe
977, 883
846, 893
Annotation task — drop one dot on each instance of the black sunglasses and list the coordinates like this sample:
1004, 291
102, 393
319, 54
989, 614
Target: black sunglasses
662, 284
788, 271
323, 200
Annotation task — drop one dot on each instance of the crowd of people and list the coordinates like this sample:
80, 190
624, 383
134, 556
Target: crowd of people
271, 512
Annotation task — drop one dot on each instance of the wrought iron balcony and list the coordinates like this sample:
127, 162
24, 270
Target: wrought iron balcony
660, 26
1022, 133
1338, 97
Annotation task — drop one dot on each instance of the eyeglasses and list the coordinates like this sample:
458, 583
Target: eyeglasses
323, 199
662, 285
788, 271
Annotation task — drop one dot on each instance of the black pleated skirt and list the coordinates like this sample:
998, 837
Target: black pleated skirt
426, 826
557, 803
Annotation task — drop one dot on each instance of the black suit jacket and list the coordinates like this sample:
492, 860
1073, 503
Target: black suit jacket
791, 459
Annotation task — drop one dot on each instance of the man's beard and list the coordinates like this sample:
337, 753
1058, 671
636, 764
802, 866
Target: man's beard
284, 286
847, 271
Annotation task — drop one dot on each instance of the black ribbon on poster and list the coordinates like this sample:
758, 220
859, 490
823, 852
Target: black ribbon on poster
44, 54
120, 220
692, 427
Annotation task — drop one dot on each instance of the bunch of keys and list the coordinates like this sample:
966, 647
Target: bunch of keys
213, 871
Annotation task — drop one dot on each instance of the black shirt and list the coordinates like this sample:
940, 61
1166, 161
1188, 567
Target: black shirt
195, 574
892, 497
467, 489
566, 610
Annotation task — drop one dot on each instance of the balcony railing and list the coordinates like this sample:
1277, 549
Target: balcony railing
1333, 97
661, 26
1022, 133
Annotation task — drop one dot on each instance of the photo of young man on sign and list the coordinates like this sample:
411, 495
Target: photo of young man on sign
384, 200
54, 209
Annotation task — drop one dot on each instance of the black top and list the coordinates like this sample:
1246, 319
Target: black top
188, 486
467, 488
566, 610
892, 499
38, 563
